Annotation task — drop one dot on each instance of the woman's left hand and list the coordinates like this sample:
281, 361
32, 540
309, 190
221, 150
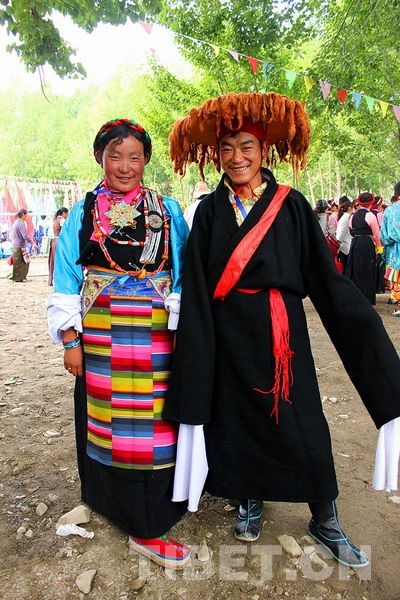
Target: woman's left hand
73, 361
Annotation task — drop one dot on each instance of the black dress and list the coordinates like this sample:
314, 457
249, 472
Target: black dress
136, 500
224, 351
361, 265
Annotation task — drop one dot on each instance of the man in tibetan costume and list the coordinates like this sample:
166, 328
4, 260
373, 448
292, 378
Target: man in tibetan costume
243, 370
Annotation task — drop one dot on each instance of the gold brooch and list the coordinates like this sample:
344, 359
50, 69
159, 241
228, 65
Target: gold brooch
122, 215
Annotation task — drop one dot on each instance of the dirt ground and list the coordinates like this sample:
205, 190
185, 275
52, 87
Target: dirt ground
37, 465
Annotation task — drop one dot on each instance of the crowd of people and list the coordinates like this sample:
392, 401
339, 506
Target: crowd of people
364, 238
187, 335
365, 246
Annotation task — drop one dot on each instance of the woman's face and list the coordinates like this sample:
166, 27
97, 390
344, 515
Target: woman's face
123, 163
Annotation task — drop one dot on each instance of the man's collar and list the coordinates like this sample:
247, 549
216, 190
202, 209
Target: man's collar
258, 191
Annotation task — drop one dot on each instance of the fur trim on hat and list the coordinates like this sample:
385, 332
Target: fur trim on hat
193, 139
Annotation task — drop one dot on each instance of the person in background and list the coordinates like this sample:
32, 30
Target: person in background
59, 220
377, 210
333, 210
21, 239
323, 215
200, 191
327, 222
343, 234
41, 233
393, 294
117, 326
343, 199
366, 244
243, 382
390, 238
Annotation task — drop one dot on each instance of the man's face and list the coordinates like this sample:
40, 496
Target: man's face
241, 156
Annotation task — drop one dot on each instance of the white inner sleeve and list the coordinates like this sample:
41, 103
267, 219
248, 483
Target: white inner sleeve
172, 304
386, 473
63, 311
191, 466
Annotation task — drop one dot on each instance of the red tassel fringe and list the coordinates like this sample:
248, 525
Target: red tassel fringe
282, 352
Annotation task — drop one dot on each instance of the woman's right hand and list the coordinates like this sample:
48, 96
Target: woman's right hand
73, 361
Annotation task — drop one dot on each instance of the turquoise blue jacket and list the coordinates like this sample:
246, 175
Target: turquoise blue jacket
390, 235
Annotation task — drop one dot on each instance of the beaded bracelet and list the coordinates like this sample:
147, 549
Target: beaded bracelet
72, 344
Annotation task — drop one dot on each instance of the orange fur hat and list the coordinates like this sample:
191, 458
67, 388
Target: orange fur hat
194, 139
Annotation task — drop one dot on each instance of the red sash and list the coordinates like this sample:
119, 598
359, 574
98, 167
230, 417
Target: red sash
249, 244
279, 319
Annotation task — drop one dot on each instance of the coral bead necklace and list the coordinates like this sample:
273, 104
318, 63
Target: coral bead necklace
155, 220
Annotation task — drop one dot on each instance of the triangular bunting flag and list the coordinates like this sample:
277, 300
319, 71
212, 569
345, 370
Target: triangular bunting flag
146, 26
253, 63
356, 99
267, 68
291, 77
234, 54
384, 107
325, 88
370, 103
342, 95
308, 82
396, 112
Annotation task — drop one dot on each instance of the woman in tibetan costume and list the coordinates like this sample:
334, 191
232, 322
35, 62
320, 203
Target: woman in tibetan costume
115, 305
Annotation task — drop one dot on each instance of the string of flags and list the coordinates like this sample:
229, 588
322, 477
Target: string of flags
291, 77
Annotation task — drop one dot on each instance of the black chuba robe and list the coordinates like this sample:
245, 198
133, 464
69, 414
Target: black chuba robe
224, 351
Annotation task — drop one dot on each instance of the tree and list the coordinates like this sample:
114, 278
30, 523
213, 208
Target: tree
38, 41
269, 30
358, 53
349, 43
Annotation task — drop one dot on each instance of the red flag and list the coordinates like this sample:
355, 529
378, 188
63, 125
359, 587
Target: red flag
342, 94
253, 63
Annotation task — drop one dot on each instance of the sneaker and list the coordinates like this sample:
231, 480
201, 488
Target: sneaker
396, 313
248, 524
164, 551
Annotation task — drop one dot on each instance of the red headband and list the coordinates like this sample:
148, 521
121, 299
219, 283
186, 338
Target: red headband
248, 126
365, 199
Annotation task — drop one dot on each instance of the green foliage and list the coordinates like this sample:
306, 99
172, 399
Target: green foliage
38, 41
250, 27
349, 43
